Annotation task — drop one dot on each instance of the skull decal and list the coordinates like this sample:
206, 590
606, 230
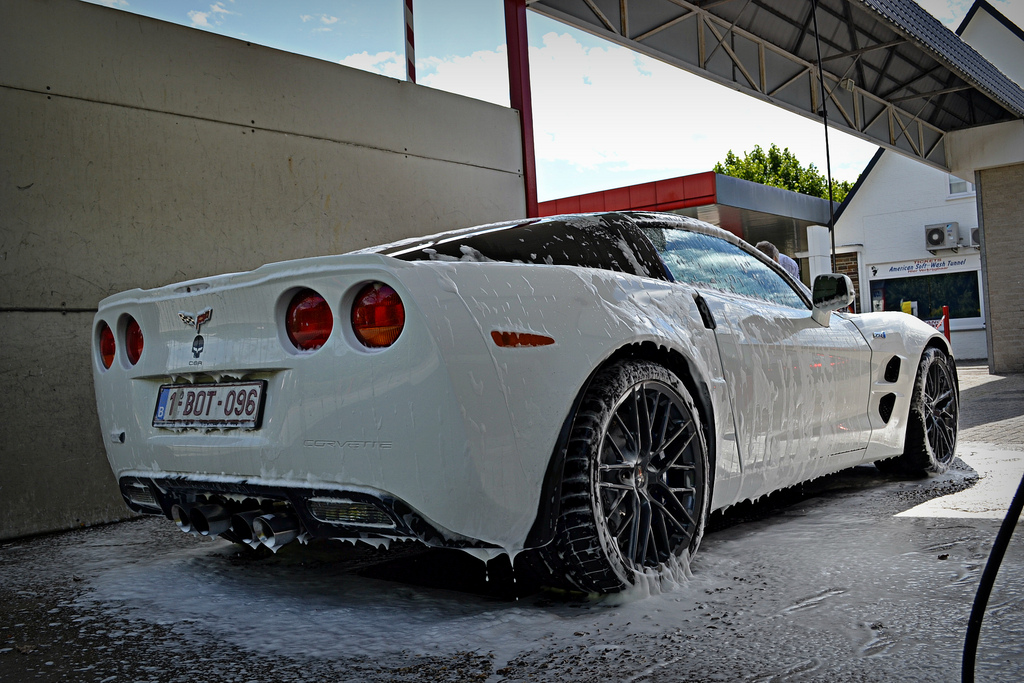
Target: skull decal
197, 321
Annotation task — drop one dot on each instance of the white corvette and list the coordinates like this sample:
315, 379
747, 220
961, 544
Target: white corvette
589, 387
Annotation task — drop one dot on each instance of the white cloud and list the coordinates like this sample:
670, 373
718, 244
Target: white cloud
325, 19
389, 64
482, 75
200, 19
949, 12
211, 19
112, 3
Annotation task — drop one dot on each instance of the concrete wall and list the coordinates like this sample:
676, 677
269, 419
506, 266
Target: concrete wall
138, 153
1002, 216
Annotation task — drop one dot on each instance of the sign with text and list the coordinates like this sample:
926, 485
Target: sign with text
920, 267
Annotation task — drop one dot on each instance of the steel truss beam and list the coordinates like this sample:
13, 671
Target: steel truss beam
739, 59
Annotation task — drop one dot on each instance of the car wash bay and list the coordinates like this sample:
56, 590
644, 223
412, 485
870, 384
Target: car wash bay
854, 577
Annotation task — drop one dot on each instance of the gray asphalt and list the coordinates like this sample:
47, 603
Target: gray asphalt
845, 579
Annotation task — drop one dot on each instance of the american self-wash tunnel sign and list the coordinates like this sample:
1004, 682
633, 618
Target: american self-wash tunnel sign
919, 266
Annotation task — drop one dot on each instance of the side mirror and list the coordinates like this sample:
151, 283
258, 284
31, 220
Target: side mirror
831, 292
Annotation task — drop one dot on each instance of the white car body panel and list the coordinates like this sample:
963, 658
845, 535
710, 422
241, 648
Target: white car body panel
462, 430
335, 416
798, 391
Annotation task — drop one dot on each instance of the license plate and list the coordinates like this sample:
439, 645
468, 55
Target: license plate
228, 405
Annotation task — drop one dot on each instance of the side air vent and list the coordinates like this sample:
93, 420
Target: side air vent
885, 406
892, 369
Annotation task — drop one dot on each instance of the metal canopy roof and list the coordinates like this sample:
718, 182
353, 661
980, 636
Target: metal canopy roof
894, 75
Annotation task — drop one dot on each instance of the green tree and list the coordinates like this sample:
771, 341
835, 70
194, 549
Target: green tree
780, 168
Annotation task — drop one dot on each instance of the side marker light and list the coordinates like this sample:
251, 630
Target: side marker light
517, 339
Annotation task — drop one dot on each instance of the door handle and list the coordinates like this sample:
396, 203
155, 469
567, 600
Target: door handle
705, 312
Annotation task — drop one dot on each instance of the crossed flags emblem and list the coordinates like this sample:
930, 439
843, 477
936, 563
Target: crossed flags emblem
197, 321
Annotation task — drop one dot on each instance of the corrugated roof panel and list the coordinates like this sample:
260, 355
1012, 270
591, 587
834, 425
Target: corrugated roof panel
928, 32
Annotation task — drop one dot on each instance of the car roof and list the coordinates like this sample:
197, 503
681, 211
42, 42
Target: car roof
609, 241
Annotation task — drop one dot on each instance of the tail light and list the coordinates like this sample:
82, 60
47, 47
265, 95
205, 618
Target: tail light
308, 320
378, 315
133, 341
107, 345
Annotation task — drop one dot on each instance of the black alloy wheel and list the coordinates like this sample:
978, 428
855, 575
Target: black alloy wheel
933, 422
940, 410
635, 488
647, 475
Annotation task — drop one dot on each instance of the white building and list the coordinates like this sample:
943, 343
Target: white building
886, 223
909, 232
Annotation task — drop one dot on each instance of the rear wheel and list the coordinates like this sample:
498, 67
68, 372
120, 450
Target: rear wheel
635, 488
930, 444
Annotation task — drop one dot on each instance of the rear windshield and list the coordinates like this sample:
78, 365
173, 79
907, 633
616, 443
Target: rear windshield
608, 242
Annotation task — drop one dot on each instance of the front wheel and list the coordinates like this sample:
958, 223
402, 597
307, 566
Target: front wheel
930, 444
635, 488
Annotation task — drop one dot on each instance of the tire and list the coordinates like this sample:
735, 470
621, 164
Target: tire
930, 443
635, 486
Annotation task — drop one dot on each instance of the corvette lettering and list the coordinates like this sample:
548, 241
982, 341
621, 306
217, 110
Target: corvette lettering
355, 445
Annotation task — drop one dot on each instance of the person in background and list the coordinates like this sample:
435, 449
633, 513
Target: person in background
788, 264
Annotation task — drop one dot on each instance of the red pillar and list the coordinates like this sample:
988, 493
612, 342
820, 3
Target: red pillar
519, 93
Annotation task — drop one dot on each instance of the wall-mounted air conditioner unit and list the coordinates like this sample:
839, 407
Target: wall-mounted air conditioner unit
942, 236
972, 238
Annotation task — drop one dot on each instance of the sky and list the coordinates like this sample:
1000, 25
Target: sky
604, 116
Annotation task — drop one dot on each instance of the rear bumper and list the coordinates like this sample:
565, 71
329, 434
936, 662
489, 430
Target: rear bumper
426, 421
323, 513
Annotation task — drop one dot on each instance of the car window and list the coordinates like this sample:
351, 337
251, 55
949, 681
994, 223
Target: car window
708, 261
608, 241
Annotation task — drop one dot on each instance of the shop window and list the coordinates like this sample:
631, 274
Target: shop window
959, 291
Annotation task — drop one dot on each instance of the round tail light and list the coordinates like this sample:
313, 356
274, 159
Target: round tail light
378, 315
133, 341
308, 320
107, 345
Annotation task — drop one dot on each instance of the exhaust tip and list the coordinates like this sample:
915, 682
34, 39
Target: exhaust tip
241, 526
275, 530
181, 518
210, 520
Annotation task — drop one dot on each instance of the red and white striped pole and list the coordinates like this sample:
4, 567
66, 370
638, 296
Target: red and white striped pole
410, 45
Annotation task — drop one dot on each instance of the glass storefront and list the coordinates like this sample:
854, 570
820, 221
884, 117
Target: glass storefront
960, 291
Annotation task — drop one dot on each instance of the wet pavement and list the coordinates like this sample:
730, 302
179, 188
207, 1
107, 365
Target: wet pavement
855, 577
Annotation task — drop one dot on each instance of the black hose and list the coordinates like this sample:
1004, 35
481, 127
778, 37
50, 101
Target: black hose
988, 578
824, 120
